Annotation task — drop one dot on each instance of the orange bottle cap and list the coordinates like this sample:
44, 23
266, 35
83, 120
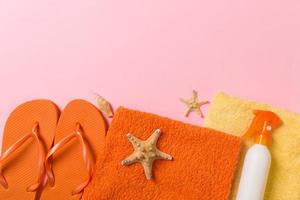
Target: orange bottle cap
263, 124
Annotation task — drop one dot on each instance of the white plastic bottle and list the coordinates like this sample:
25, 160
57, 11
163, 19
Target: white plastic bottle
258, 158
255, 173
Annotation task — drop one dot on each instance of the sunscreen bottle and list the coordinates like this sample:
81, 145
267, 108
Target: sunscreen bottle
258, 158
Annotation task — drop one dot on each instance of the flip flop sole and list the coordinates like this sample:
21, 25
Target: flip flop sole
21, 167
67, 163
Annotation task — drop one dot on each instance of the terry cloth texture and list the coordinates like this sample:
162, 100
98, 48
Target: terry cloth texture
203, 165
232, 115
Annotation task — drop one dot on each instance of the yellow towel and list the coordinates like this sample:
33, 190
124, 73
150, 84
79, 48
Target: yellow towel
233, 115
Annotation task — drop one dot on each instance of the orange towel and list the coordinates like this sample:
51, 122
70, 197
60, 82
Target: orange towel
203, 165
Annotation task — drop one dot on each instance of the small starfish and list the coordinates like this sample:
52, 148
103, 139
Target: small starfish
145, 152
193, 104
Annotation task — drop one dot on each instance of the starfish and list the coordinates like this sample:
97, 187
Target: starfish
193, 104
145, 152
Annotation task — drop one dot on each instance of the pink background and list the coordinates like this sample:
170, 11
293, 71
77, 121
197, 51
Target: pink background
146, 54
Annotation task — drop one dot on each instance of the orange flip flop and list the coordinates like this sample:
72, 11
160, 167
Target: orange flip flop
28, 135
79, 139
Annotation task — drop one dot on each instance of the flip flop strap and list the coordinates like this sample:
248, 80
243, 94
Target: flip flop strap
86, 159
41, 157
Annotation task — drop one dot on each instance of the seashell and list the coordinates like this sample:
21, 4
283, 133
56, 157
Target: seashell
104, 106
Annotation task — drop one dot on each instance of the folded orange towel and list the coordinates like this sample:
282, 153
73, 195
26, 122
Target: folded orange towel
203, 165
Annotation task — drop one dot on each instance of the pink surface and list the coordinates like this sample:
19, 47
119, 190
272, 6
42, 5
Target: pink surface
146, 54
